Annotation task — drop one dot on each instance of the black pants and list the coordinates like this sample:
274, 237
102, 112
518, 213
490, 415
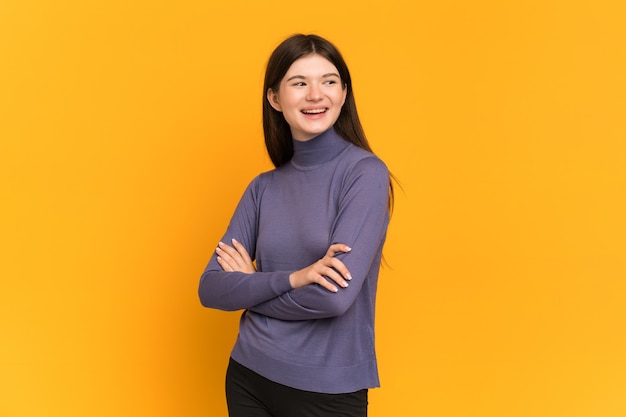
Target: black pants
250, 395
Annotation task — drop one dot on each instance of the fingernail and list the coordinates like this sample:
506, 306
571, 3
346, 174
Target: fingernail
218, 249
345, 285
234, 240
349, 248
220, 243
335, 289
349, 276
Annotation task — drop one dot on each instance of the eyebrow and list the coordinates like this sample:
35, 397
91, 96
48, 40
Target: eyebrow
302, 77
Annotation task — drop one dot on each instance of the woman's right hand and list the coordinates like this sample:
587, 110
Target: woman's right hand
328, 266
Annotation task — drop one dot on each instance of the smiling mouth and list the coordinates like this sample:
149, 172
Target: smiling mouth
314, 111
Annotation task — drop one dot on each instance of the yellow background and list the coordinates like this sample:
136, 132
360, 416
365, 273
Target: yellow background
130, 129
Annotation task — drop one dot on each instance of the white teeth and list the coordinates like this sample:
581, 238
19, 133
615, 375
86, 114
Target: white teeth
314, 111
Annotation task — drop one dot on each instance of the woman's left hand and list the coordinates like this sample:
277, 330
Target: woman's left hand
234, 258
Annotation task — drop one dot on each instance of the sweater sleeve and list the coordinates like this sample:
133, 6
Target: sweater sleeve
237, 290
361, 223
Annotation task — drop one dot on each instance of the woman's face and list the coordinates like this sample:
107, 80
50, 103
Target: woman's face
310, 96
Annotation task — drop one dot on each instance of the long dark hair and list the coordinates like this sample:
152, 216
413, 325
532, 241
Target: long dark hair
278, 140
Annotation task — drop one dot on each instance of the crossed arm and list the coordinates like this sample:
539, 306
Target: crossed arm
235, 258
361, 221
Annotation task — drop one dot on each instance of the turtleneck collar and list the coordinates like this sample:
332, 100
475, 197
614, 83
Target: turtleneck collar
314, 152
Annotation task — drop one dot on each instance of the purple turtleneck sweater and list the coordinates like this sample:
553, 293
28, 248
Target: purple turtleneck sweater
308, 338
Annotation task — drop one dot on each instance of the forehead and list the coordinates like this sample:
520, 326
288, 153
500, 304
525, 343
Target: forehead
311, 65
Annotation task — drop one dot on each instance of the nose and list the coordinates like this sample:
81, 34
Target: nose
314, 93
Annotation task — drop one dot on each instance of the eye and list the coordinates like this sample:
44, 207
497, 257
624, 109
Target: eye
299, 84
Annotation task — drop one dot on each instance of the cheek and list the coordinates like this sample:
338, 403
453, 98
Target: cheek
290, 115
289, 103
340, 97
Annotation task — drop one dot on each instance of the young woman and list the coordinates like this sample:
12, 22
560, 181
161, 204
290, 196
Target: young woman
315, 226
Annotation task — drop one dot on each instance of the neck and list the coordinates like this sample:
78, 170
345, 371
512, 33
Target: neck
316, 151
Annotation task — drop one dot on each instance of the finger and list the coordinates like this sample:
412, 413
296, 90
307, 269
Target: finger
225, 266
337, 247
337, 266
327, 271
225, 255
227, 248
323, 282
336, 277
242, 251
232, 254
340, 267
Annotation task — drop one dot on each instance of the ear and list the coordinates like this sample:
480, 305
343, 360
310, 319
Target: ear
345, 94
272, 97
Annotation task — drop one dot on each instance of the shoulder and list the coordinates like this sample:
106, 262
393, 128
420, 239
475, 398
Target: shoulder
362, 162
260, 182
364, 173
